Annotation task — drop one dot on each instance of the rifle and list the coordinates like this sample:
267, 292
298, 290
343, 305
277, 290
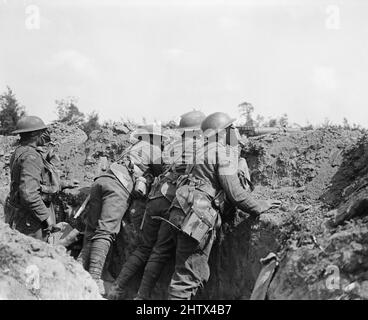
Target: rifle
82, 207
252, 131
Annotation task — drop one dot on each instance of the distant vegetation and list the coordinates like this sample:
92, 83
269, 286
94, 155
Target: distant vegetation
68, 112
10, 112
246, 111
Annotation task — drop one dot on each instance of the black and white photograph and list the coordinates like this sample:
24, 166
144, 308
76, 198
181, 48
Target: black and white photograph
207, 151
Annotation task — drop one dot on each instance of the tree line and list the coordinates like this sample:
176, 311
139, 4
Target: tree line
68, 112
66, 109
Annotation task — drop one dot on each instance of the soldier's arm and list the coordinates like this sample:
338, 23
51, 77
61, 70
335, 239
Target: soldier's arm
29, 186
230, 183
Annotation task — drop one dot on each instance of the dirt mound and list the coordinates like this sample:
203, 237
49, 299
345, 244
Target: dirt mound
306, 159
7, 146
31, 269
352, 176
334, 264
335, 269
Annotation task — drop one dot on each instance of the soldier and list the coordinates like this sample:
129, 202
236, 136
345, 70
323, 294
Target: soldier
194, 215
111, 194
34, 181
178, 156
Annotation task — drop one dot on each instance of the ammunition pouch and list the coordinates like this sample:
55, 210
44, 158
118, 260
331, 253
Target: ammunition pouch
200, 216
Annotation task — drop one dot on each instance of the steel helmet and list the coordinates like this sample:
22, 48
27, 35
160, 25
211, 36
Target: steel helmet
149, 130
216, 121
29, 124
191, 120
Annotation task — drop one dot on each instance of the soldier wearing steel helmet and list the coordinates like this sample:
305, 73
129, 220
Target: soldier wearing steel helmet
177, 157
195, 211
194, 215
34, 180
127, 181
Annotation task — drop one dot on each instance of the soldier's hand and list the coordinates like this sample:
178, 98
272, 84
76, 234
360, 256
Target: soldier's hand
269, 204
50, 226
70, 185
46, 224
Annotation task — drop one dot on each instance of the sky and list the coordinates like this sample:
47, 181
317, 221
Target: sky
159, 59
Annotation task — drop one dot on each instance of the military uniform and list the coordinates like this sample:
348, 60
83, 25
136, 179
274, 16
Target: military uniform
110, 197
34, 182
176, 158
215, 175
